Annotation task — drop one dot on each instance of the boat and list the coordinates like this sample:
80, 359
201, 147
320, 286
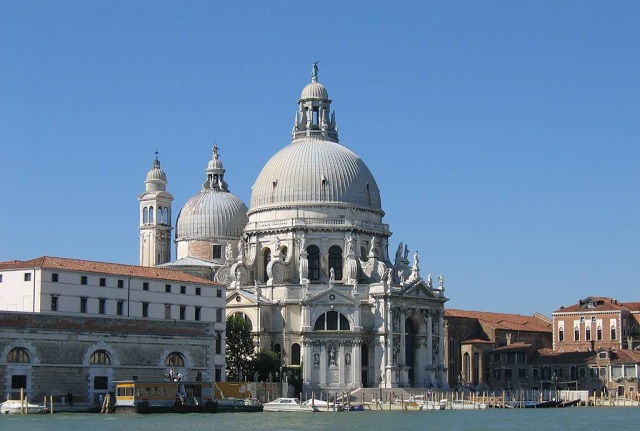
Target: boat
289, 405
569, 403
323, 406
165, 397
16, 407
422, 402
462, 405
231, 404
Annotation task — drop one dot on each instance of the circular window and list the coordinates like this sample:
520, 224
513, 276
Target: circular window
238, 298
332, 297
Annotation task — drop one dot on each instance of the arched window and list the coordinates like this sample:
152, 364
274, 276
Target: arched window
313, 257
587, 335
266, 258
277, 350
576, 333
295, 354
335, 260
561, 334
332, 321
100, 357
18, 355
283, 252
174, 359
466, 367
218, 344
150, 214
245, 317
613, 331
159, 215
364, 353
145, 215
599, 333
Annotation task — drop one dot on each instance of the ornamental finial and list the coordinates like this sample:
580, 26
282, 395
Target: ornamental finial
314, 72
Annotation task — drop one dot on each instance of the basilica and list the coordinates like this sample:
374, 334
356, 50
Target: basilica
307, 264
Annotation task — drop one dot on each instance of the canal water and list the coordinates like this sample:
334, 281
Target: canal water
576, 418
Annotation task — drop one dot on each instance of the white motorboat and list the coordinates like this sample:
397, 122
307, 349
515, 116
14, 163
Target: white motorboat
13, 407
422, 402
463, 405
288, 405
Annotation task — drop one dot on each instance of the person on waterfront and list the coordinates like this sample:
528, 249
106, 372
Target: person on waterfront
100, 400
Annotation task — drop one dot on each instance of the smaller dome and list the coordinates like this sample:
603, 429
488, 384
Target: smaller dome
211, 214
315, 90
156, 178
156, 175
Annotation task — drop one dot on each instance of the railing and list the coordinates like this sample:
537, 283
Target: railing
318, 222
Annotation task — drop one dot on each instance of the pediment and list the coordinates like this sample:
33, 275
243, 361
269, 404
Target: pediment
330, 296
418, 290
243, 297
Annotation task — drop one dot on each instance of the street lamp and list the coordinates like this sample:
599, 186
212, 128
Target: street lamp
554, 382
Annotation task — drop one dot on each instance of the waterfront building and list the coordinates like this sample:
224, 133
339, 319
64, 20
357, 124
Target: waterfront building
596, 322
84, 324
487, 350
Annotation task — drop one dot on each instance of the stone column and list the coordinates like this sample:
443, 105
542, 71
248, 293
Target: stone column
356, 364
430, 340
440, 338
308, 361
324, 364
402, 360
341, 367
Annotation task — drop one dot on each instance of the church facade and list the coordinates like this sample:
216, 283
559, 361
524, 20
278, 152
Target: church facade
307, 264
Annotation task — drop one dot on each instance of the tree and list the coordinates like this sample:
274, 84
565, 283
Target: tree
239, 347
265, 366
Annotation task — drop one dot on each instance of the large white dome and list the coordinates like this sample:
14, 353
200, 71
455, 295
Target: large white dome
211, 214
315, 171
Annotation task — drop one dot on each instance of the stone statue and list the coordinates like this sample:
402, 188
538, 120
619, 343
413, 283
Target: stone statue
241, 248
332, 355
314, 71
399, 253
349, 245
228, 252
277, 244
429, 281
402, 278
302, 241
347, 359
406, 252
332, 276
372, 251
316, 359
416, 260
441, 282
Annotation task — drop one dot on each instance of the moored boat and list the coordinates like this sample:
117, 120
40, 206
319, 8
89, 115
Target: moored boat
289, 405
231, 404
165, 397
17, 407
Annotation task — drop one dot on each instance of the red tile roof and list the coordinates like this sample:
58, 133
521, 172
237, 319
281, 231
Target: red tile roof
511, 322
513, 347
594, 304
87, 266
553, 357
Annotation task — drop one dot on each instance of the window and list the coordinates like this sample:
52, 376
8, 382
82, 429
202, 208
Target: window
183, 312
561, 334
167, 311
522, 373
27, 276
174, 359
219, 315
120, 284
196, 316
145, 286
507, 373
295, 354
83, 305
145, 309
198, 291
167, 288
535, 372
217, 252
332, 321
54, 277
102, 305
100, 357
18, 355
511, 358
103, 282
183, 290
54, 303
335, 261
83, 279
145, 215
599, 333
587, 333
613, 332
521, 357
218, 344
496, 373
313, 258
0, 278
120, 308
101, 383
219, 293
266, 258
576, 333
18, 382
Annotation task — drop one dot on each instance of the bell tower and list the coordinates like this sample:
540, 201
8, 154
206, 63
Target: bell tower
155, 218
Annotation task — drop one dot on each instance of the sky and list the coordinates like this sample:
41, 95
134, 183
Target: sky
503, 135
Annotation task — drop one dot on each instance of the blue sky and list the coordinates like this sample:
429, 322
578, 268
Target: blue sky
503, 135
